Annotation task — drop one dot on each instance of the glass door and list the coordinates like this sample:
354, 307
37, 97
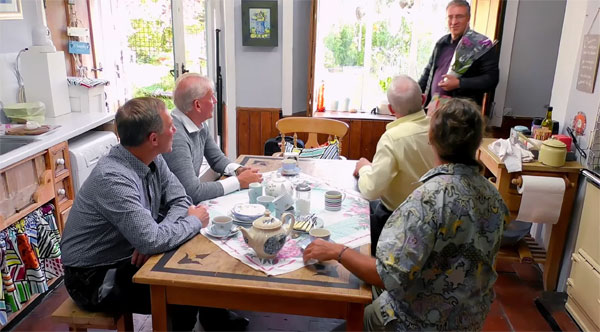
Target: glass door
144, 45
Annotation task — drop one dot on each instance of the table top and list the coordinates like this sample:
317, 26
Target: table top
200, 264
536, 166
354, 116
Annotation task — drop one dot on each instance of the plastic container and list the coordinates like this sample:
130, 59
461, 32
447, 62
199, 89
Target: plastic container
23, 112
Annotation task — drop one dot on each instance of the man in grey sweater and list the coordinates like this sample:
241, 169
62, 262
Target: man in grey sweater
194, 99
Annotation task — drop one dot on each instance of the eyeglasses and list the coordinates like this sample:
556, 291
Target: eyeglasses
458, 17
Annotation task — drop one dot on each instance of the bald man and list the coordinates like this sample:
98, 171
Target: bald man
403, 155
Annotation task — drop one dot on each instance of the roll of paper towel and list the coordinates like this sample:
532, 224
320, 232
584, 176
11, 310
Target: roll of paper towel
541, 200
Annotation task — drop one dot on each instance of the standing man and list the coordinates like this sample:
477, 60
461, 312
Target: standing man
482, 75
195, 100
403, 155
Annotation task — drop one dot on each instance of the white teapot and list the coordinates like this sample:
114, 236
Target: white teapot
268, 235
278, 186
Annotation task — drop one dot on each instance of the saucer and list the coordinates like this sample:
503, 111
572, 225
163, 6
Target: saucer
295, 171
247, 211
230, 234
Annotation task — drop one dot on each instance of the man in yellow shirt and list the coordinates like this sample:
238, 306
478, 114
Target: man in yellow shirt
403, 155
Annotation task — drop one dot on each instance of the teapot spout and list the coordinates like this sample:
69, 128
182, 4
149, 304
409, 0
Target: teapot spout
246, 234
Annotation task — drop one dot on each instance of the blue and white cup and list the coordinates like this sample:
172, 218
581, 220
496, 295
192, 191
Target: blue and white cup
221, 225
289, 165
333, 200
267, 202
255, 190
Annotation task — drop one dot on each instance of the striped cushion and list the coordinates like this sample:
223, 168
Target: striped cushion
330, 151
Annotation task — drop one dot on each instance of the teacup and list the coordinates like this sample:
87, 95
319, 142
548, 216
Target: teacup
289, 165
221, 225
333, 200
267, 202
319, 233
255, 190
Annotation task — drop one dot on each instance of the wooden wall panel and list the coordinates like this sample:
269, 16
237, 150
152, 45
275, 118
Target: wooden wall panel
254, 127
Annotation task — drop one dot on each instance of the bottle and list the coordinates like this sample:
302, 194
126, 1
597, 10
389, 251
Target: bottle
320, 98
303, 199
547, 122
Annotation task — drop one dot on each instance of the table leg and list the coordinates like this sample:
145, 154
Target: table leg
354, 317
159, 308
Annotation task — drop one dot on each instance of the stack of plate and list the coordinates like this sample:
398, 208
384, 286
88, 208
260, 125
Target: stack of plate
244, 213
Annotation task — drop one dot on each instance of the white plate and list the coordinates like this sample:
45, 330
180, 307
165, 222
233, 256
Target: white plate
247, 211
295, 171
319, 224
234, 231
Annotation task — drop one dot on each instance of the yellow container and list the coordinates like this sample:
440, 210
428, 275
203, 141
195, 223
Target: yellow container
23, 112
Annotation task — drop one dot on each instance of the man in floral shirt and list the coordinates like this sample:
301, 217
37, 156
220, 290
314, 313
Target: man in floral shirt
436, 253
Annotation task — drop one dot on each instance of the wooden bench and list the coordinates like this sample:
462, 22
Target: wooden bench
80, 320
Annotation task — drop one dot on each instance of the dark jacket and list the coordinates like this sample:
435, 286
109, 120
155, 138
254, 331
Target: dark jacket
480, 78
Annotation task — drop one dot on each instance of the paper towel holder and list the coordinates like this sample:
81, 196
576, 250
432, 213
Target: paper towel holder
518, 181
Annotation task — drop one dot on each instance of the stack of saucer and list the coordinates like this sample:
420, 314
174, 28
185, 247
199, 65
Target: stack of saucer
244, 214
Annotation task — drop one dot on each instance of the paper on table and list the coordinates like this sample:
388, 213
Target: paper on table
541, 199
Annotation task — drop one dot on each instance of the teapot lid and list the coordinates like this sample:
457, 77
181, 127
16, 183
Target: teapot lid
267, 221
554, 143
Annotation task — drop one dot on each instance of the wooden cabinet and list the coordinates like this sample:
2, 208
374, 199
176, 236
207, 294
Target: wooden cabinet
363, 134
505, 183
33, 182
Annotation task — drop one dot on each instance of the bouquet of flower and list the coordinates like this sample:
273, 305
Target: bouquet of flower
471, 47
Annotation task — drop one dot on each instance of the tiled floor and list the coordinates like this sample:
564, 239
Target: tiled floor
513, 310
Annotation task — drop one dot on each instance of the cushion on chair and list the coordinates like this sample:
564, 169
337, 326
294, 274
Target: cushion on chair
329, 150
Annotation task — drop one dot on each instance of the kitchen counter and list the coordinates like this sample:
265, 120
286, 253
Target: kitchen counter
353, 116
71, 125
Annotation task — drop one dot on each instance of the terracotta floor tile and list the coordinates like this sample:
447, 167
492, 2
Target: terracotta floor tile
496, 319
513, 310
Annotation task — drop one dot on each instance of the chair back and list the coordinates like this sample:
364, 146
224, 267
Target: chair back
313, 126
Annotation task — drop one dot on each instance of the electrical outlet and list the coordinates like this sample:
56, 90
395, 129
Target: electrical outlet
508, 111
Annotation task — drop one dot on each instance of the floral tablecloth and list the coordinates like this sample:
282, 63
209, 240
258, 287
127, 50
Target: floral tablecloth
350, 226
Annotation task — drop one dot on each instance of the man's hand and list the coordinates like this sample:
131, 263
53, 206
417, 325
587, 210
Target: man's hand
248, 176
138, 259
322, 250
240, 169
360, 164
200, 212
449, 82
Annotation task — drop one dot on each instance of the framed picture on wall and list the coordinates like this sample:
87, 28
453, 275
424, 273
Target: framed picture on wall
11, 10
259, 23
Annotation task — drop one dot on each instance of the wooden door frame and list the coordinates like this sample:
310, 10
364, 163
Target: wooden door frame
312, 38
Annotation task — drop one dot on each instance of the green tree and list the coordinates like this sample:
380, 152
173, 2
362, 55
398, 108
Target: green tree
150, 40
390, 47
344, 47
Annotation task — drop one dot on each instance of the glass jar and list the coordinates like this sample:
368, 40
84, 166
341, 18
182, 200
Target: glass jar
303, 199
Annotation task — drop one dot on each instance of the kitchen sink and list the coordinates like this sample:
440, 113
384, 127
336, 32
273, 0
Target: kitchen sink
9, 143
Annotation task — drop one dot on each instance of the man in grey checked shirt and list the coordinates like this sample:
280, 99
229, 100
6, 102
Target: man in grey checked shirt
130, 207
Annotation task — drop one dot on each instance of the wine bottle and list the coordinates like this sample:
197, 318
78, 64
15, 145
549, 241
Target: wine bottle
547, 122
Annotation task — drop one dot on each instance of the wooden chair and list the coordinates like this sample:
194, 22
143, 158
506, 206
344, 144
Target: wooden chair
80, 320
313, 126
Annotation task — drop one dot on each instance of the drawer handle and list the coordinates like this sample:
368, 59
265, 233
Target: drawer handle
61, 191
60, 161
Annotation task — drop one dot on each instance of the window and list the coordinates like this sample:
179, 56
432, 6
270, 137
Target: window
361, 45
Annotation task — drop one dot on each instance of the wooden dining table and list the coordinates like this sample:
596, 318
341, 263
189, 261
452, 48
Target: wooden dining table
199, 273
